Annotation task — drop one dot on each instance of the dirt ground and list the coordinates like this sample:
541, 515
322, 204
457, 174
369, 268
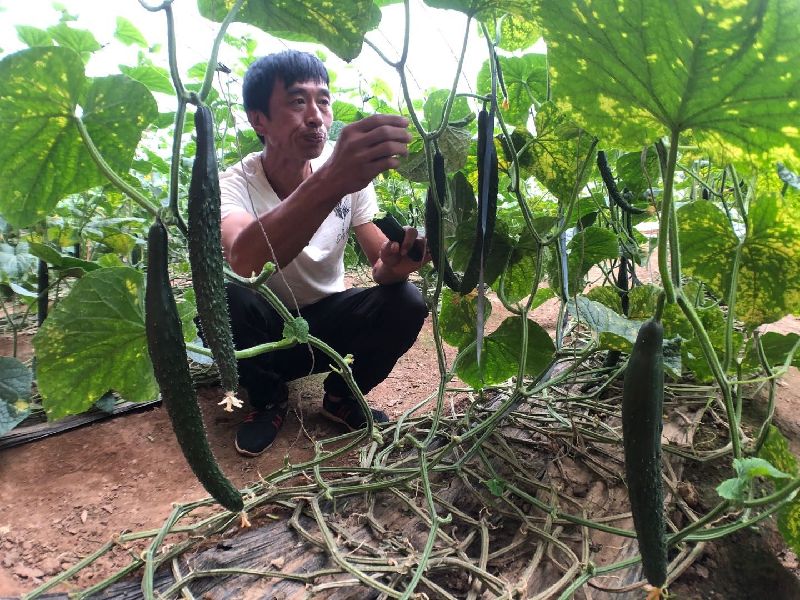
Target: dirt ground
66, 495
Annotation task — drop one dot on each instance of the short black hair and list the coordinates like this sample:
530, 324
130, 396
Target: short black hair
290, 66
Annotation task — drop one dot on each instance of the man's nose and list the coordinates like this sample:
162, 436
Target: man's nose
313, 115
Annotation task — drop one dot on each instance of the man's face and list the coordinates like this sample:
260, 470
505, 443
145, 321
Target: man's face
300, 117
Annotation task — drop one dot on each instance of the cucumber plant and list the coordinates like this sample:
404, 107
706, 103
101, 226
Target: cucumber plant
730, 101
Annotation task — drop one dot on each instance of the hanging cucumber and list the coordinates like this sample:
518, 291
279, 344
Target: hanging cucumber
487, 203
205, 256
613, 192
168, 354
433, 223
642, 403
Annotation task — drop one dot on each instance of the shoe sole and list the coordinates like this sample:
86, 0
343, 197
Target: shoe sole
335, 419
332, 417
248, 453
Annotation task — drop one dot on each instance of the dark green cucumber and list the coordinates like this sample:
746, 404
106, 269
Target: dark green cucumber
483, 237
611, 185
395, 232
168, 354
433, 222
205, 252
642, 404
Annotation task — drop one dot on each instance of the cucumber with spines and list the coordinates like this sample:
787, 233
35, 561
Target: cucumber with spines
205, 252
642, 406
167, 351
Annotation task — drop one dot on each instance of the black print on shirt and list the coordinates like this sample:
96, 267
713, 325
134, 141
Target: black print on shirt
341, 210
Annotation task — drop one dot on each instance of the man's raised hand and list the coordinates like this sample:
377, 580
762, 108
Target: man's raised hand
365, 149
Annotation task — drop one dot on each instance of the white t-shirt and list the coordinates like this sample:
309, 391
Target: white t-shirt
318, 270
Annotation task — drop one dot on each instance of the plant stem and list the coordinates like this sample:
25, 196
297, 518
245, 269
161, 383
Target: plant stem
666, 219
106, 169
211, 67
716, 368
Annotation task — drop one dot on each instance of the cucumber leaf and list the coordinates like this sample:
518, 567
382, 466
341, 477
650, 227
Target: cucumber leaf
338, 25
563, 153
127, 33
747, 469
458, 318
612, 331
525, 78
42, 158
501, 354
434, 109
518, 33
93, 341
771, 247
726, 71
15, 390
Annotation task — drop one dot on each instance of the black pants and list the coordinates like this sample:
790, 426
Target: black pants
376, 325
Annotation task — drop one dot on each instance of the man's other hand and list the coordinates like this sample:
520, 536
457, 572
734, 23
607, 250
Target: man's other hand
365, 149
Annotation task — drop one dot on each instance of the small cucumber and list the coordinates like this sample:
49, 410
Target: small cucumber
168, 354
642, 405
205, 252
433, 222
395, 232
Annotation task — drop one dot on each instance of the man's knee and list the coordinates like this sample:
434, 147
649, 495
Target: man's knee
407, 304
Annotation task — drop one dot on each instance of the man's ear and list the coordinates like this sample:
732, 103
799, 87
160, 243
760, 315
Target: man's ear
258, 121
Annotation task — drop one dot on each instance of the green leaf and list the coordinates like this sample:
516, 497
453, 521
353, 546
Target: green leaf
725, 70
526, 81
297, 330
732, 489
187, 311
496, 486
94, 341
434, 109
752, 467
695, 359
612, 331
15, 261
129, 34
776, 451
346, 112
772, 245
501, 354
636, 178
15, 380
155, 79
458, 318
778, 348
747, 469
607, 296
789, 524
563, 153
520, 272
59, 261
33, 36
587, 248
42, 158
464, 243
81, 41
518, 33
338, 25
485, 8
454, 144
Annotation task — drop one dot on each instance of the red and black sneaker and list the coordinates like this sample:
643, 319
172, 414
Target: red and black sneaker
348, 412
259, 429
